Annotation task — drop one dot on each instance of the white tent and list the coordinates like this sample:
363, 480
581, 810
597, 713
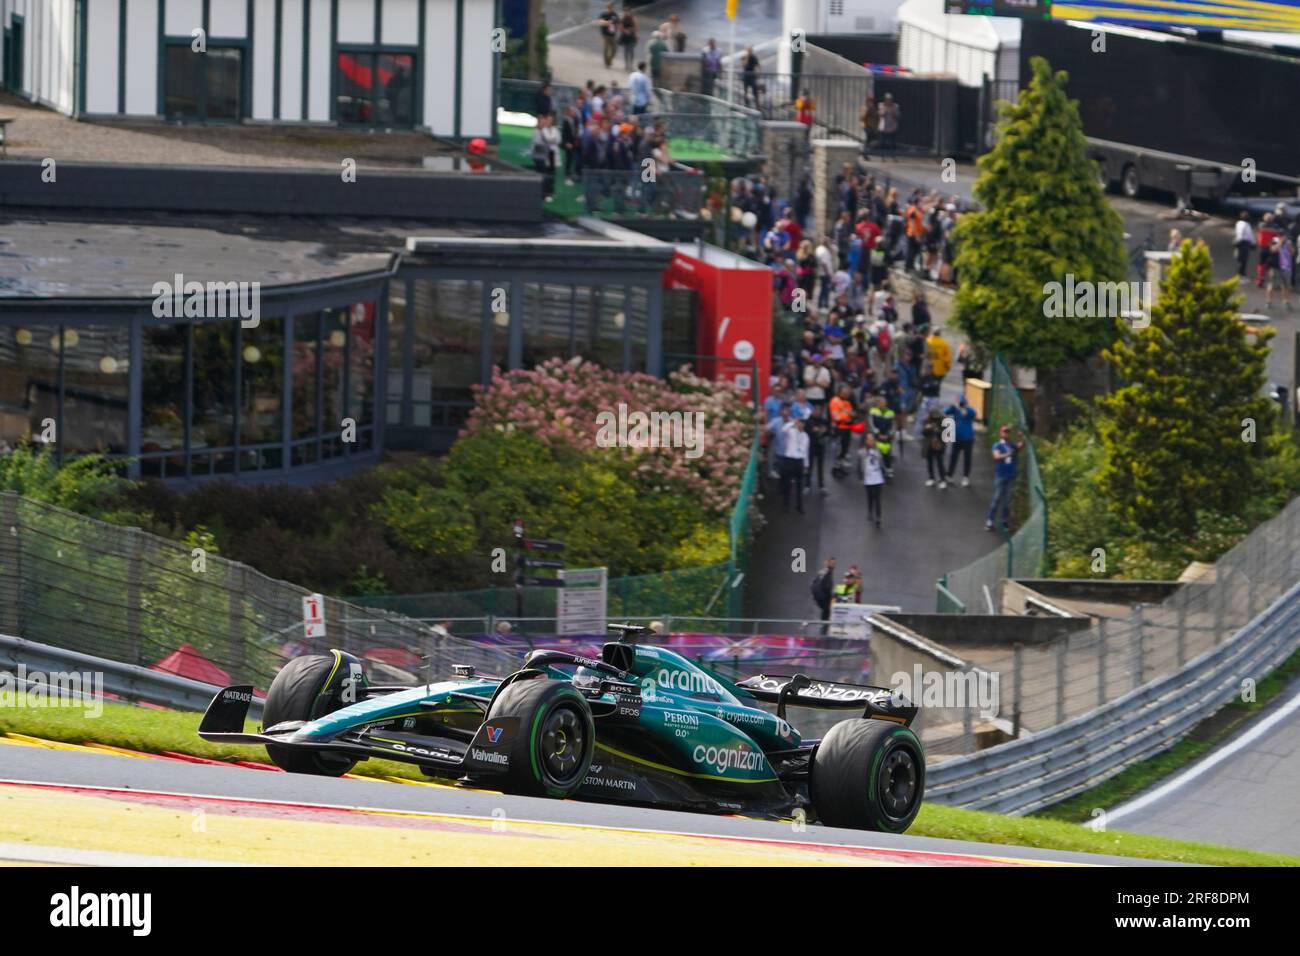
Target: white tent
970, 47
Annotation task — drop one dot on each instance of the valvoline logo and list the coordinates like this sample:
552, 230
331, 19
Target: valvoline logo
493, 733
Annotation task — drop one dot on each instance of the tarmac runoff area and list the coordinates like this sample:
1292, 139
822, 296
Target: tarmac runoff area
73, 805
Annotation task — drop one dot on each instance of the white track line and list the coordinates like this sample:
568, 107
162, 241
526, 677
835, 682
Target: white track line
66, 856
1216, 758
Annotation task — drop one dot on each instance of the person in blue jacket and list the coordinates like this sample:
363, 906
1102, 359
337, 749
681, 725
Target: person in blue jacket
963, 417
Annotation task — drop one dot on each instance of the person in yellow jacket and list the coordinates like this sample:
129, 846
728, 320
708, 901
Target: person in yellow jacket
939, 353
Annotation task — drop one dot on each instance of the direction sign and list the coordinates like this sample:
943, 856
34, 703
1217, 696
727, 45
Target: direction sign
540, 563
541, 544
313, 615
581, 606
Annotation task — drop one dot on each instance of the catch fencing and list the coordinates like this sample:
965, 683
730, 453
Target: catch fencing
114, 592
1052, 683
973, 589
1079, 753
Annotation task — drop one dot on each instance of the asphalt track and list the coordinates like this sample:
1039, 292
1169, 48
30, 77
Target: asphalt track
79, 806
1241, 794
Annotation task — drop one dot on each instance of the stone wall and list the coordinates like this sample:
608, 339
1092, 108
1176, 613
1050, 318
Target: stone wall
828, 156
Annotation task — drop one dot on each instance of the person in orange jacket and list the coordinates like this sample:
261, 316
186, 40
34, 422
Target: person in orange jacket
842, 418
914, 219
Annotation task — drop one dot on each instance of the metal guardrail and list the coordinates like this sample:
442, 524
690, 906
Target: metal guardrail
1031, 773
129, 681
624, 192
737, 134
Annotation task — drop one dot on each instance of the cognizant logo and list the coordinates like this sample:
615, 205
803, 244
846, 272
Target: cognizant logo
723, 759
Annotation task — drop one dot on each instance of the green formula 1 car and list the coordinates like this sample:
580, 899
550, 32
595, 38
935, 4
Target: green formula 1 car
641, 725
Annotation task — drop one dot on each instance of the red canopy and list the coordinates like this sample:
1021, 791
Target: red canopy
186, 661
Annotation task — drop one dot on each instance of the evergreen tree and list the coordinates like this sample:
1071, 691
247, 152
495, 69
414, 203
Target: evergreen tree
1044, 216
1189, 426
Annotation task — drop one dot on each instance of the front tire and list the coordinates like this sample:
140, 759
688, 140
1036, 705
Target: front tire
551, 752
868, 775
296, 695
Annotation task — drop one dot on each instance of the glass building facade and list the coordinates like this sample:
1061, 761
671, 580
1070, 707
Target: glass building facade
325, 380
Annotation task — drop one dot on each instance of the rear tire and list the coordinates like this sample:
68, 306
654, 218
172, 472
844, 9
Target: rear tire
1130, 184
552, 750
295, 694
868, 775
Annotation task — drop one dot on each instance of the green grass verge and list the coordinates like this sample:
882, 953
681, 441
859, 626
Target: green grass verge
154, 731
1204, 737
137, 728
950, 824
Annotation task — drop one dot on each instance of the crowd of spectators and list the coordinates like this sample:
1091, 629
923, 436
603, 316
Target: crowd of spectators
599, 129
870, 361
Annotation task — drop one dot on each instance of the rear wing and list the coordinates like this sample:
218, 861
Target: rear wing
803, 691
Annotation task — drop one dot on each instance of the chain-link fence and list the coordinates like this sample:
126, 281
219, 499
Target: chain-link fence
686, 591
1048, 682
120, 593
973, 589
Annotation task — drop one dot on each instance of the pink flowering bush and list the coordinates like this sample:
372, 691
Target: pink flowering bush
530, 451
559, 402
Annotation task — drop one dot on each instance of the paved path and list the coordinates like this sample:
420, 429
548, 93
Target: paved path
924, 533
575, 52
1242, 794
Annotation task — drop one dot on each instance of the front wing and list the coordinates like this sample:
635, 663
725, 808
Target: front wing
484, 753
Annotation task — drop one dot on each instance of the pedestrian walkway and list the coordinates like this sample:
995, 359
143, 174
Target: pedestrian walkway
925, 532
574, 53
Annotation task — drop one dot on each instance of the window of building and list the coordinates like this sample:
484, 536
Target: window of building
29, 383
547, 322
306, 400
447, 355
334, 380
396, 351
374, 87
261, 386
213, 393
96, 397
203, 86
212, 423
164, 407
